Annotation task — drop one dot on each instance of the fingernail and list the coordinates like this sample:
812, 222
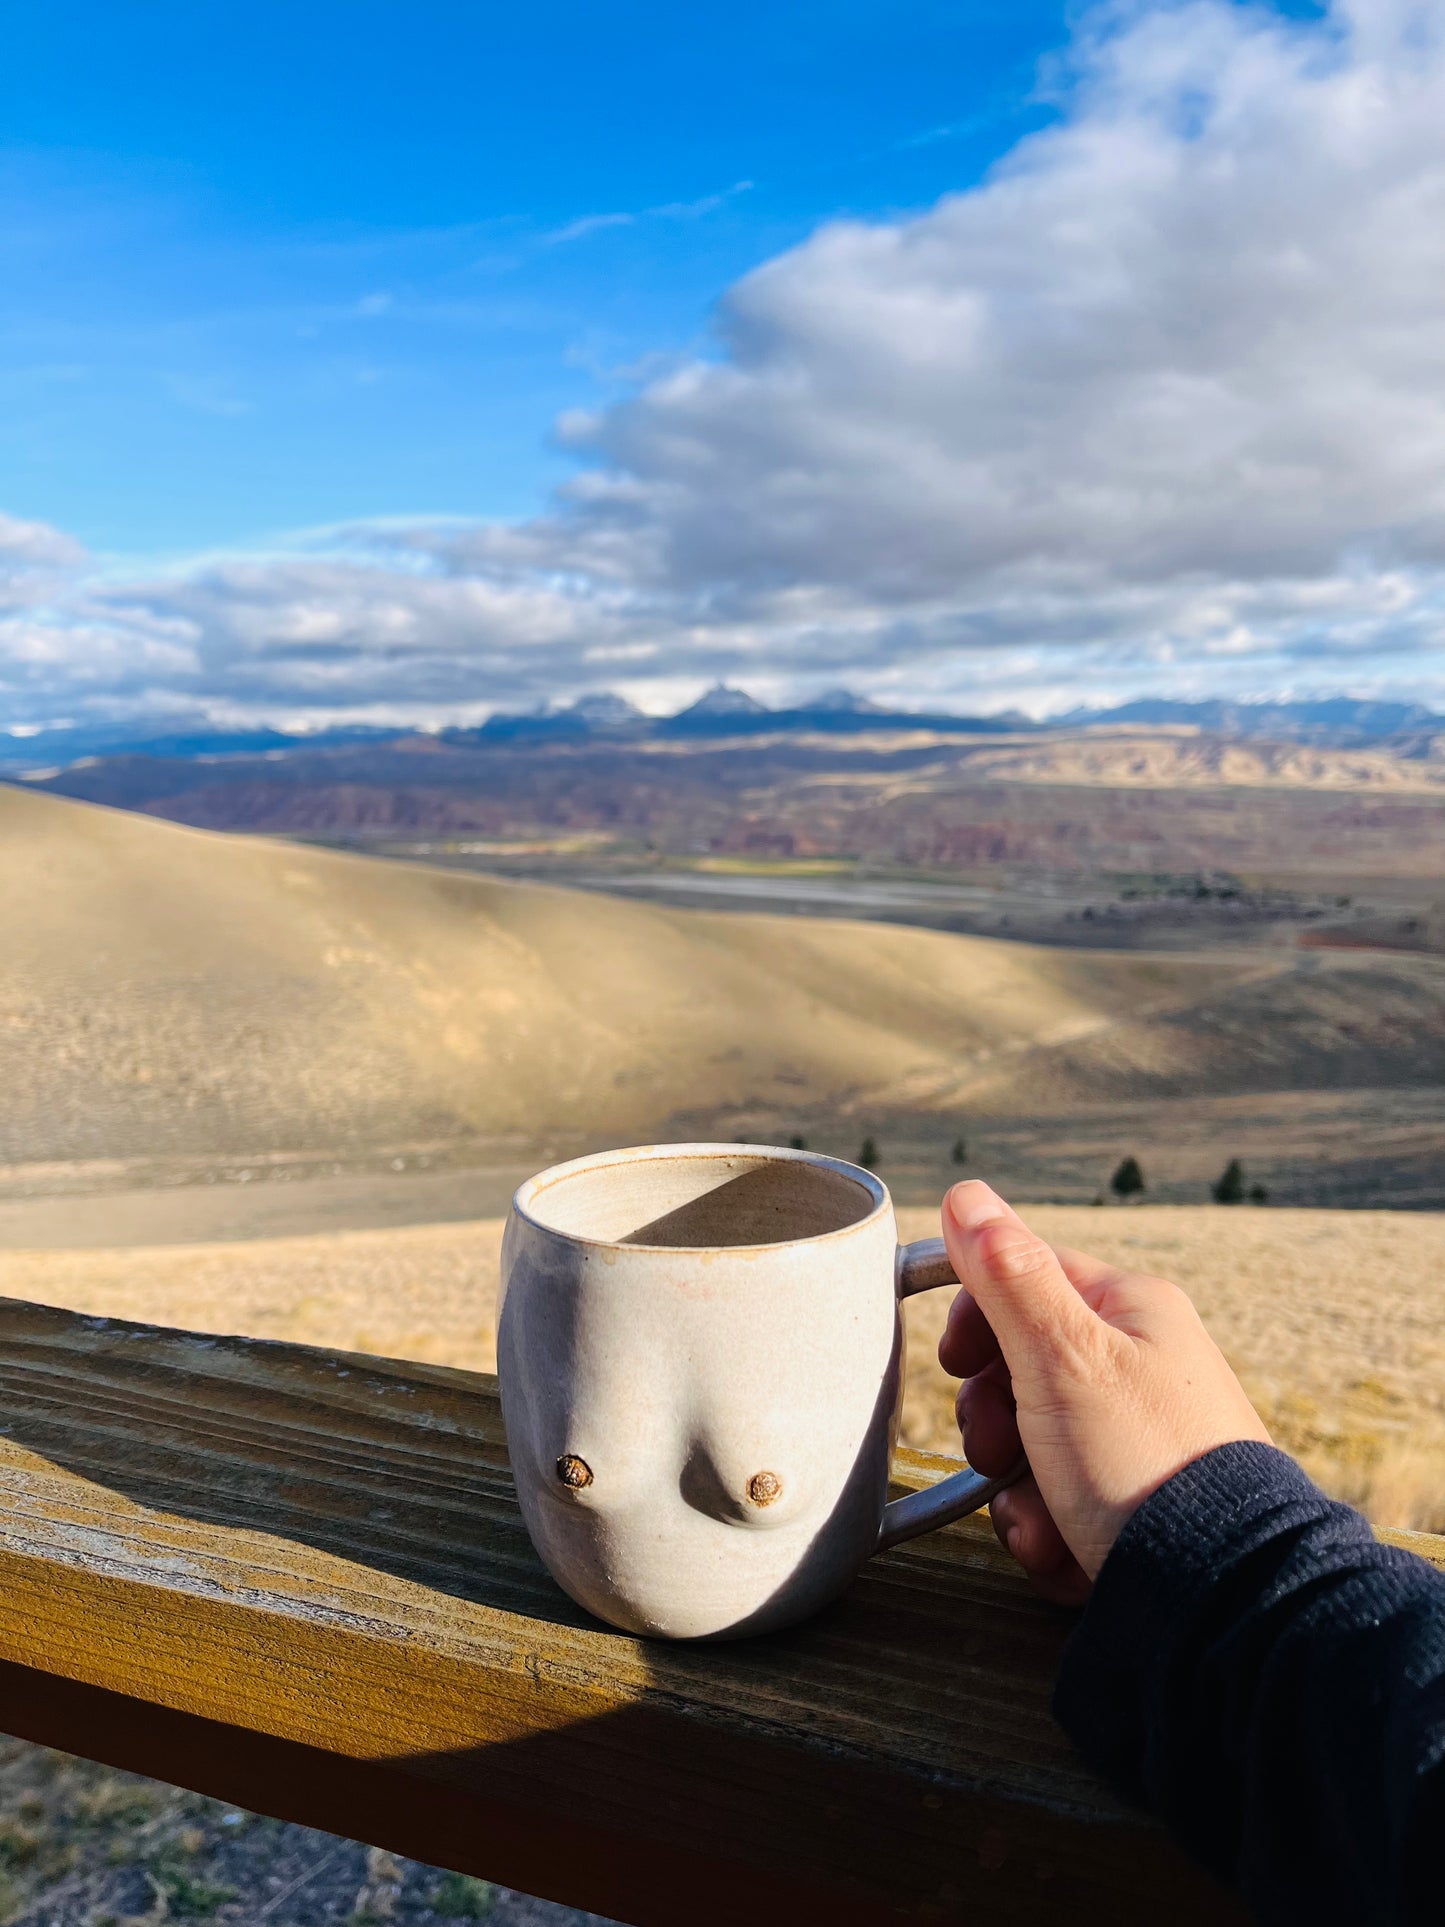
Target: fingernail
972, 1205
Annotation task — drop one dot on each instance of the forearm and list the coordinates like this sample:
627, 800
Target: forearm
1259, 1671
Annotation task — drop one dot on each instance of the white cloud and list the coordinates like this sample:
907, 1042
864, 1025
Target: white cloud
705, 204
578, 230
35, 561
1194, 331
29, 545
1162, 401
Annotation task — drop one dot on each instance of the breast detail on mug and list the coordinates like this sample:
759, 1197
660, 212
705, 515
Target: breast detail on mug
750, 1469
703, 1476
758, 1481
602, 1439
587, 1422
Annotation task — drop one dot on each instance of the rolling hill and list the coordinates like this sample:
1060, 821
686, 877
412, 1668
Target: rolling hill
167, 991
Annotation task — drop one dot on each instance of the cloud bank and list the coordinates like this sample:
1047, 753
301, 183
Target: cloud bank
1160, 403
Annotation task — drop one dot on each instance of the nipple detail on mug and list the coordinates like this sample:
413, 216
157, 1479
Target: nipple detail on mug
574, 1473
764, 1487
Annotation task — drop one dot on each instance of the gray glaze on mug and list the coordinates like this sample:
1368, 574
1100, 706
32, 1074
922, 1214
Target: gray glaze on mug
699, 1350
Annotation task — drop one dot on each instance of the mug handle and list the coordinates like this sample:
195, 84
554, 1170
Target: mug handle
923, 1267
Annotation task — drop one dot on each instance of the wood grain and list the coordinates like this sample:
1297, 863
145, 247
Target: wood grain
299, 1580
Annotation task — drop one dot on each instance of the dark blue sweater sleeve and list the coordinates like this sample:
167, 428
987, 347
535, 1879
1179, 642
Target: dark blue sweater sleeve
1265, 1676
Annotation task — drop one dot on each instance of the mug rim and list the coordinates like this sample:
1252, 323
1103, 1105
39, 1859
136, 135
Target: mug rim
531, 1188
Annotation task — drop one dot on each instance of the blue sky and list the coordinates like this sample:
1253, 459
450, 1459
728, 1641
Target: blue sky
398, 364
277, 266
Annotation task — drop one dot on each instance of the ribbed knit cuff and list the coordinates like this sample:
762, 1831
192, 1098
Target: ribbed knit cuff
1168, 1573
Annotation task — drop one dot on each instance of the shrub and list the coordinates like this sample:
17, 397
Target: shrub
1228, 1187
1128, 1180
186, 1897
17, 1848
797, 1143
868, 1155
460, 1897
1258, 1194
960, 1151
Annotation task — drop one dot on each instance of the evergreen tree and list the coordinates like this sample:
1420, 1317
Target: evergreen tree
868, 1156
960, 1151
796, 1143
1228, 1187
1128, 1180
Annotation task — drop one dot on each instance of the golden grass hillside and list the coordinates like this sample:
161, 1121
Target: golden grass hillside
1333, 1319
166, 991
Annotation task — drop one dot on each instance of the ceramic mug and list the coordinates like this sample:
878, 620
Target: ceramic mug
699, 1348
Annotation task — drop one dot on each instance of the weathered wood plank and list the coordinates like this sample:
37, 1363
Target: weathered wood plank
299, 1580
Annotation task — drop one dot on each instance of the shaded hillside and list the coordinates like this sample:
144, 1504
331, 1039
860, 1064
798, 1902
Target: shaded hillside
1355, 1020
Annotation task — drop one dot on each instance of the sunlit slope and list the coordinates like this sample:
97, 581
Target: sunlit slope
1185, 759
165, 990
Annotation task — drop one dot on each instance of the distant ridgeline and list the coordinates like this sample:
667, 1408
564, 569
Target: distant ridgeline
1338, 721
728, 712
725, 711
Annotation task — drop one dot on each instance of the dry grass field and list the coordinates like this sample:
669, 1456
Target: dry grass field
1333, 1319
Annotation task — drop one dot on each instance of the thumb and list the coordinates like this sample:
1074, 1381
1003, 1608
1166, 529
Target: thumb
1016, 1281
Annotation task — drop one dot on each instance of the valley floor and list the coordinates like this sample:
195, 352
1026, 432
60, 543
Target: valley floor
1353, 1149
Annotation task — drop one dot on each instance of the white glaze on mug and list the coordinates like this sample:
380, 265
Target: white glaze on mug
699, 1351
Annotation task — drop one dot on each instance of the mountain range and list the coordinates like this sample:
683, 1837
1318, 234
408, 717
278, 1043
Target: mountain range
726, 711
1341, 722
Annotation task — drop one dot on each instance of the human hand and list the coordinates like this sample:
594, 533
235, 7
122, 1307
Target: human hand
1106, 1379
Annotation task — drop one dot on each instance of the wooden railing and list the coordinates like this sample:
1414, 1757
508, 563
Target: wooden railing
298, 1581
